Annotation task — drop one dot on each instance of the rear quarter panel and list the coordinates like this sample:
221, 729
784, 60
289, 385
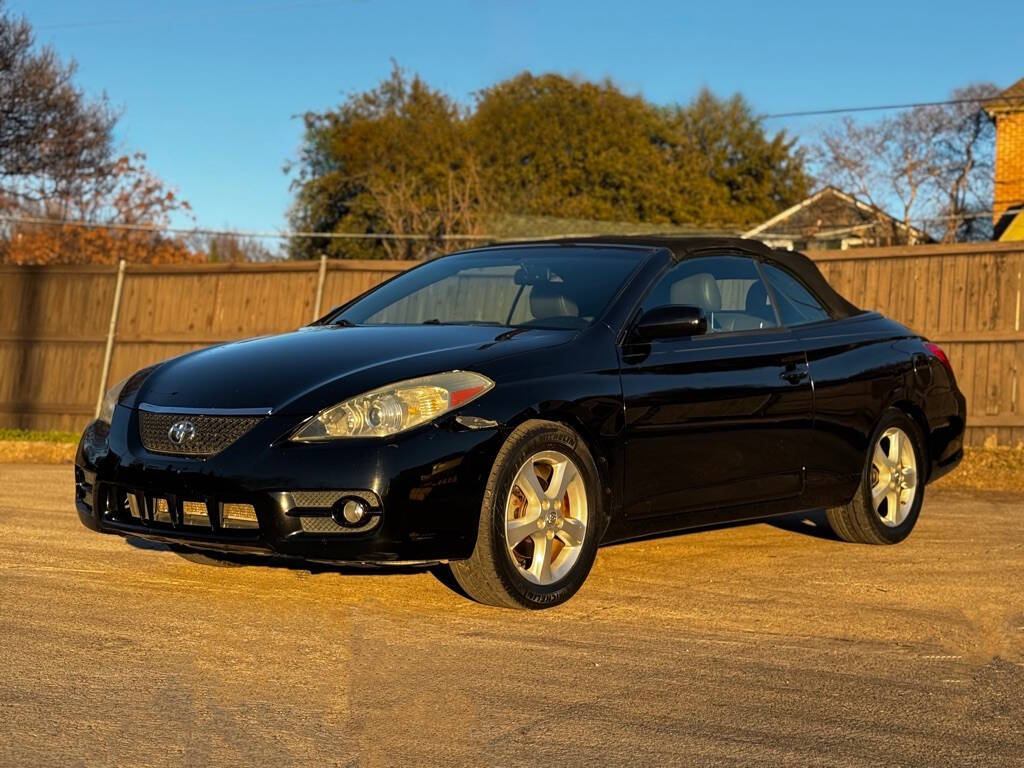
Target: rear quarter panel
860, 366
945, 411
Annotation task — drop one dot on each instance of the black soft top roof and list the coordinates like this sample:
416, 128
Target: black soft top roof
685, 247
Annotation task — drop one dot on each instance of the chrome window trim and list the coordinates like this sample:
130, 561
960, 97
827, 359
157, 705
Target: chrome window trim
185, 411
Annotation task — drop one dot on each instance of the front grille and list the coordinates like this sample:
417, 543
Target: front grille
212, 434
300, 503
317, 499
166, 513
239, 516
318, 524
321, 525
195, 513
327, 499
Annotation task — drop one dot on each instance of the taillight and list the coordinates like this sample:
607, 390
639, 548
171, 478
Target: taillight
939, 355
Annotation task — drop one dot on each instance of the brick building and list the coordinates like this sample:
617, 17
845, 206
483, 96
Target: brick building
1008, 205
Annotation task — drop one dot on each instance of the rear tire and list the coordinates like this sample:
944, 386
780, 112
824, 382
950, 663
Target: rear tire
543, 495
888, 501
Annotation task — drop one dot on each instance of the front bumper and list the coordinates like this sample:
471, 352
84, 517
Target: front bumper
422, 491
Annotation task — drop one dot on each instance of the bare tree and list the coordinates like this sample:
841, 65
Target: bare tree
54, 142
438, 212
885, 163
230, 247
57, 162
967, 165
933, 164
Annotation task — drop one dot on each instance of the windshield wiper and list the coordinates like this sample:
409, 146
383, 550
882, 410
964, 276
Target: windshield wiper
436, 321
342, 322
511, 333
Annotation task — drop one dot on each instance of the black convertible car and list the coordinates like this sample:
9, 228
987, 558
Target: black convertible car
508, 409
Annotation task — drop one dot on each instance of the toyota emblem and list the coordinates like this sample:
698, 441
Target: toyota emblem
182, 432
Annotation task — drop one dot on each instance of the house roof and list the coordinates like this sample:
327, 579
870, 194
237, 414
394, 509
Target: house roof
508, 226
1010, 100
796, 220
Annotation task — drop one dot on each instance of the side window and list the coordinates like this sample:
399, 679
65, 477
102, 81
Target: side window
796, 304
728, 288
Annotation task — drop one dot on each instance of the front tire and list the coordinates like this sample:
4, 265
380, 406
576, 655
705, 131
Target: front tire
540, 521
888, 501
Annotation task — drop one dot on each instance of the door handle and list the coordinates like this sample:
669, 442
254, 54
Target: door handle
794, 376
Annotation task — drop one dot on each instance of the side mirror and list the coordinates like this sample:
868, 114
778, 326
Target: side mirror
672, 322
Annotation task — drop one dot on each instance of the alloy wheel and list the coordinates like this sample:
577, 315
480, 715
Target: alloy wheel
894, 476
546, 517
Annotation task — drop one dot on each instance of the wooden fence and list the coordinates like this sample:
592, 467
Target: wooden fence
54, 321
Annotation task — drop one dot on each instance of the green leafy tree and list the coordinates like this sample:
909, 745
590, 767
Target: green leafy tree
405, 159
394, 160
752, 175
552, 146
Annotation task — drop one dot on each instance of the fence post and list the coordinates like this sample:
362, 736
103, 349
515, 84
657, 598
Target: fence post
111, 330
321, 276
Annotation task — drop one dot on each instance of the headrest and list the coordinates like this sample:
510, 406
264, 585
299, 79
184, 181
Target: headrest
552, 300
699, 290
757, 301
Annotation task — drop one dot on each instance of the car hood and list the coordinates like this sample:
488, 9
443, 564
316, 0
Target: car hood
315, 367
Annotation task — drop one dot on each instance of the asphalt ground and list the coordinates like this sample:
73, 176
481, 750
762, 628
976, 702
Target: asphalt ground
762, 644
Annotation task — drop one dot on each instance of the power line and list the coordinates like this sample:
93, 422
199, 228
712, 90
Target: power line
882, 107
236, 233
204, 13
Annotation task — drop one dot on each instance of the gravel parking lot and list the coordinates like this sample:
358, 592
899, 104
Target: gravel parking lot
755, 644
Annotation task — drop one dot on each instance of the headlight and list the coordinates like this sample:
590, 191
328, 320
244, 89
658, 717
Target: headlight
110, 400
396, 407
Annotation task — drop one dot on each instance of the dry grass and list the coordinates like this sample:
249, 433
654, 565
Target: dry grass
36, 452
38, 436
988, 469
29, 446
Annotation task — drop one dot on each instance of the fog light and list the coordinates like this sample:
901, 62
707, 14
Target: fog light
350, 511
353, 512
239, 516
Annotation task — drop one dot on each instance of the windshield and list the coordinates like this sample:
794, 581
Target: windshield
537, 287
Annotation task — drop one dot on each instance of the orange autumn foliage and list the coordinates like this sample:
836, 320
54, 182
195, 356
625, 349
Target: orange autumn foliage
126, 195
71, 244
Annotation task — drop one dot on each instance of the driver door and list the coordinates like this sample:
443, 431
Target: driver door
719, 420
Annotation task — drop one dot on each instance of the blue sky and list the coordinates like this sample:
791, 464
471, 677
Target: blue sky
211, 90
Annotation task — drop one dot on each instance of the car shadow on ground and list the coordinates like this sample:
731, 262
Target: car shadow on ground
239, 559
808, 523
811, 523
214, 559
